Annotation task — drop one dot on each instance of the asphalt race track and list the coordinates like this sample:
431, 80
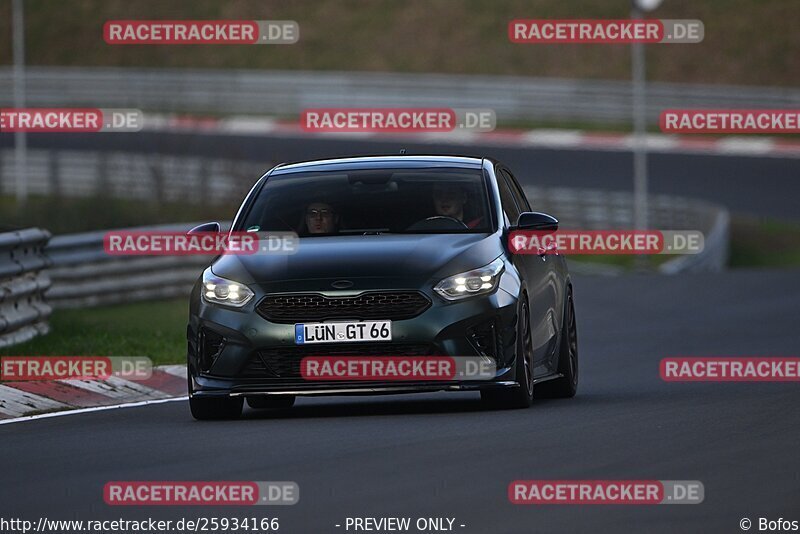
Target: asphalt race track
763, 186
442, 455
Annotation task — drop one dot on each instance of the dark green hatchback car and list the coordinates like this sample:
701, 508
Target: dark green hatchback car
397, 257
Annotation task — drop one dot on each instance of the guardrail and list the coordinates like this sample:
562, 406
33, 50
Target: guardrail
589, 209
289, 92
85, 275
23, 282
74, 271
715, 254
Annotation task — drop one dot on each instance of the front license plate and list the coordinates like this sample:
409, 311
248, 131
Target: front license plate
307, 333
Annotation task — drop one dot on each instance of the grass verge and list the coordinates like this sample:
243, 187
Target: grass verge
751, 42
153, 329
764, 243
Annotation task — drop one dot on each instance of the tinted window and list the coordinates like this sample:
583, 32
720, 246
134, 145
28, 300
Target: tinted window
372, 200
507, 199
522, 202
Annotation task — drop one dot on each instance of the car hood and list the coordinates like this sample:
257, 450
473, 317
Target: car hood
368, 261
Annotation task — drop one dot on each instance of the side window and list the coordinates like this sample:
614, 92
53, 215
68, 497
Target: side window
522, 202
507, 198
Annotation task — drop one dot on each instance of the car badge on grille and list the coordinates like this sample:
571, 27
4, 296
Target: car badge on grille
342, 284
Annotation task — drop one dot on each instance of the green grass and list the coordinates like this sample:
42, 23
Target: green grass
751, 42
153, 329
754, 243
764, 243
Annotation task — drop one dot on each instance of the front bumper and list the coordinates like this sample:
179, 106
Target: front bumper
230, 351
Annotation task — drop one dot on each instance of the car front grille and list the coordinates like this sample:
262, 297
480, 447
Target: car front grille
305, 307
285, 362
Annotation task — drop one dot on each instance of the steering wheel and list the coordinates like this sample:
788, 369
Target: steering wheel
439, 222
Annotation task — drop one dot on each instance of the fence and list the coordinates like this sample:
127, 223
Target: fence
286, 93
23, 281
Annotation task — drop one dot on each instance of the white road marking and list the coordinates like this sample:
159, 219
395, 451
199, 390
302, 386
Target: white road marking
554, 138
87, 410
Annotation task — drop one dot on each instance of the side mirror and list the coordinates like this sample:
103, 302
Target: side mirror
533, 220
206, 227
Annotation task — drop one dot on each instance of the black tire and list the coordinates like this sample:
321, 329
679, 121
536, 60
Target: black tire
567, 385
522, 396
205, 409
273, 402
211, 408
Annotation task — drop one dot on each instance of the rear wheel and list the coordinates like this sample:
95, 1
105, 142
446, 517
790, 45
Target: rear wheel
522, 396
266, 402
567, 385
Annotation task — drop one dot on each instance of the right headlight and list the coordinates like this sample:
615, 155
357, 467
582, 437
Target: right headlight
471, 283
218, 290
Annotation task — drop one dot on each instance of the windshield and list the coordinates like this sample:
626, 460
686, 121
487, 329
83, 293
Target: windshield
372, 201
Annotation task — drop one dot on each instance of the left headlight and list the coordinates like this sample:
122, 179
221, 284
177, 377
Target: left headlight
476, 282
218, 290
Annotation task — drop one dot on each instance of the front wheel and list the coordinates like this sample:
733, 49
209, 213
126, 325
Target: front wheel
522, 396
567, 385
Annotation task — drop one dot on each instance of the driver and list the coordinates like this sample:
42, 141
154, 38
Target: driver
449, 201
321, 218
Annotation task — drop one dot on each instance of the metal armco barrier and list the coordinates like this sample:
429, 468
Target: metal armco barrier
588, 209
23, 282
85, 275
715, 254
287, 93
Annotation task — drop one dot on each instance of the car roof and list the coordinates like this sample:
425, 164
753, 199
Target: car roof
380, 162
